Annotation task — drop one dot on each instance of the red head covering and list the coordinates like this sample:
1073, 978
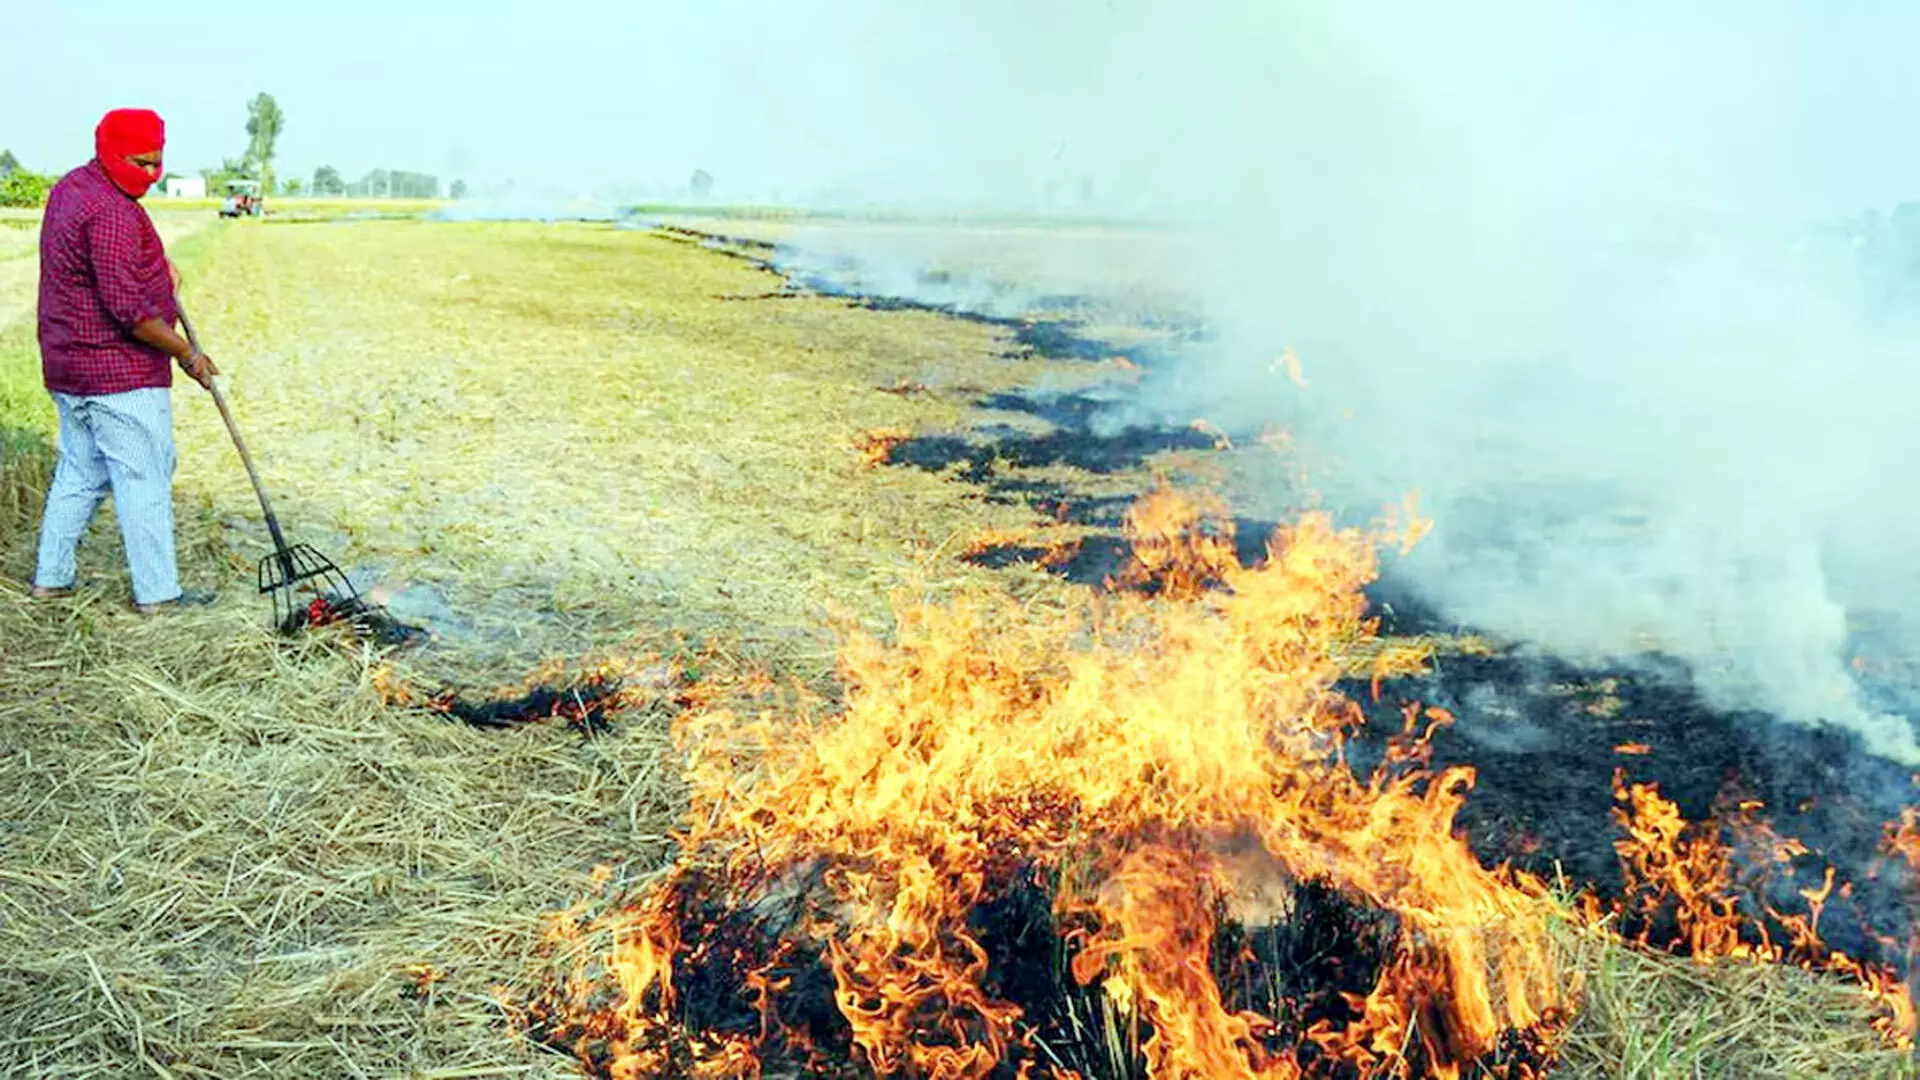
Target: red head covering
123, 133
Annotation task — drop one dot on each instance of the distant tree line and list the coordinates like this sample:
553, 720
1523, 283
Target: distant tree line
394, 184
381, 184
22, 187
265, 122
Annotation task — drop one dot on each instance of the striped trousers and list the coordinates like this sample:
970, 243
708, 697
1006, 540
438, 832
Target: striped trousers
121, 443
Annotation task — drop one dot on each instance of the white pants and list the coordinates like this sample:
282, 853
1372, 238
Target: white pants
121, 443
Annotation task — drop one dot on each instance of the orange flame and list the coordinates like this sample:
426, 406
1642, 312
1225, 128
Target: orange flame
1221, 440
1128, 747
1181, 542
1054, 549
1676, 866
875, 446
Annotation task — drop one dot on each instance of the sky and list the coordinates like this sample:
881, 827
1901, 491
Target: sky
990, 101
770, 98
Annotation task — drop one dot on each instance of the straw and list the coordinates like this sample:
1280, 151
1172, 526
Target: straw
225, 854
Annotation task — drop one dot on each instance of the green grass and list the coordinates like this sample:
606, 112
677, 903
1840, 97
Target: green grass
26, 428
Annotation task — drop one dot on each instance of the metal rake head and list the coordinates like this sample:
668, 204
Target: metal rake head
305, 585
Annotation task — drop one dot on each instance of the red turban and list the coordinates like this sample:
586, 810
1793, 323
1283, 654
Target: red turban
122, 134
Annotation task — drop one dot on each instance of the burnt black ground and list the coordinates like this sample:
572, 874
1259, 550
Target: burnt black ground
1299, 971
584, 707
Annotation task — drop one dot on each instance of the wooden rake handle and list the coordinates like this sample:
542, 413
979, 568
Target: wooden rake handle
253, 474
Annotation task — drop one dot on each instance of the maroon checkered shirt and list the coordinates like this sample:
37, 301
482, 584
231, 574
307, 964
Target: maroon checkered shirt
102, 269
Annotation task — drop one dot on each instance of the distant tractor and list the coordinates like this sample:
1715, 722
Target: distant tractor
243, 200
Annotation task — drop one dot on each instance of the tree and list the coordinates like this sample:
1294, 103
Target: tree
326, 181
8, 163
293, 186
229, 169
264, 124
458, 190
24, 188
409, 185
701, 184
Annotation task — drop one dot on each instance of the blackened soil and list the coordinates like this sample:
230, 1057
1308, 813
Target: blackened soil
583, 707
1109, 454
1545, 739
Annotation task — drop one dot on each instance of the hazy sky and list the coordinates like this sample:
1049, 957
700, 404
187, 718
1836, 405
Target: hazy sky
550, 94
989, 98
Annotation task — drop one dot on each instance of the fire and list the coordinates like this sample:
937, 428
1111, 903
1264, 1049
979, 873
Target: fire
1067, 840
1688, 872
875, 446
1404, 523
1123, 786
1221, 440
1053, 549
1182, 542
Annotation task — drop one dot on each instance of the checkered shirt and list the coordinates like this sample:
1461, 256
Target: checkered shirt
102, 269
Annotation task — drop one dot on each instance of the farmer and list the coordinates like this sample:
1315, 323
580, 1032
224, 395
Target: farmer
107, 313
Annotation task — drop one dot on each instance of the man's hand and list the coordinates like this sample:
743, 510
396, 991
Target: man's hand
199, 367
195, 363
174, 273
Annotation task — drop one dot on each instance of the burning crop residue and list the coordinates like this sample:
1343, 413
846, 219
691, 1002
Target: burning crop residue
369, 621
1006, 547
875, 447
1082, 842
1706, 889
584, 701
1126, 840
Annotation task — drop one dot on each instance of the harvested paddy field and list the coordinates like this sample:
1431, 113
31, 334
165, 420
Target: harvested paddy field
578, 450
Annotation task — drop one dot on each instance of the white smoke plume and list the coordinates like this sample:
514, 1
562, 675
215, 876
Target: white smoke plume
1561, 267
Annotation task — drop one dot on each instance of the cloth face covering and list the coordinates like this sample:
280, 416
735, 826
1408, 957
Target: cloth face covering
123, 133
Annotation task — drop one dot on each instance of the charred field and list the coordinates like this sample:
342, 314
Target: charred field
878, 725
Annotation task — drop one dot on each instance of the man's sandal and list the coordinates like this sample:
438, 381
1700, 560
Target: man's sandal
41, 592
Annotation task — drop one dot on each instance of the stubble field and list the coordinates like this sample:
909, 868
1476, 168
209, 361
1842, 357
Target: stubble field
558, 446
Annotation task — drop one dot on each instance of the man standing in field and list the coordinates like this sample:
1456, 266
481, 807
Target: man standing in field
107, 313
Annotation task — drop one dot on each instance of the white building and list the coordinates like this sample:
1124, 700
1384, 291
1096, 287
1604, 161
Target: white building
186, 187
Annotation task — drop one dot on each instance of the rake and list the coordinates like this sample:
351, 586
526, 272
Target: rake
292, 571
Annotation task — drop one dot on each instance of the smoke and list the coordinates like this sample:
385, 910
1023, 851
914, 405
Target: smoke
1565, 269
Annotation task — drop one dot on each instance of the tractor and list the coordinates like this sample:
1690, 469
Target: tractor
243, 200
